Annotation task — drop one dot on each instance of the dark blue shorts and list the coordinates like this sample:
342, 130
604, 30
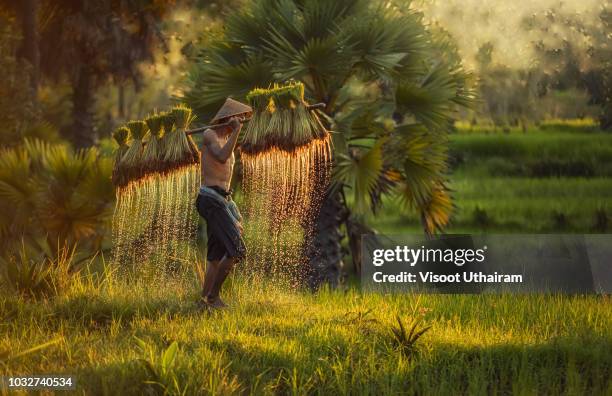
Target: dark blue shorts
223, 235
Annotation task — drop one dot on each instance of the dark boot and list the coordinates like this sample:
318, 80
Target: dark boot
225, 267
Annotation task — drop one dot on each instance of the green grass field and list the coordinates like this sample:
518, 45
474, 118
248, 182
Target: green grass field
119, 339
150, 338
536, 182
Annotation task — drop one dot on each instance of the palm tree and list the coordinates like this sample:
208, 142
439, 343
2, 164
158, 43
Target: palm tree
52, 196
390, 86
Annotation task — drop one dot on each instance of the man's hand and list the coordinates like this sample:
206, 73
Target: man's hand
239, 225
234, 123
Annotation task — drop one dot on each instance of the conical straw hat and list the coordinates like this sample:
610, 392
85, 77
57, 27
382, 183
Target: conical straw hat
231, 108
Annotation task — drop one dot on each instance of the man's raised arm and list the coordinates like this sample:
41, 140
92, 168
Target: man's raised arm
222, 154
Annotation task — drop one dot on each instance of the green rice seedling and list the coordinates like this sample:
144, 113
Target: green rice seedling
179, 151
183, 119
256, 128
280, 119
121, 136
152, 155
132, 159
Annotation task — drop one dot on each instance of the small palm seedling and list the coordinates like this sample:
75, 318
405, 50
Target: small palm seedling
121, 136
405, 339
132, 159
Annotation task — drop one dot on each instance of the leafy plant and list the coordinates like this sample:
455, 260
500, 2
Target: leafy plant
52, 196
160, 367
37, 275
405, 339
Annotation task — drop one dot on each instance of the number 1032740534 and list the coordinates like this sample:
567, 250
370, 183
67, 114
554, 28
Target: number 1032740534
39, 382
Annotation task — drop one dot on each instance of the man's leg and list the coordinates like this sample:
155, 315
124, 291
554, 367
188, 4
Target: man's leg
223, 270
212, 268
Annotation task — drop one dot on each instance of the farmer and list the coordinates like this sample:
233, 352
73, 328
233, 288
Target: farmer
214, 201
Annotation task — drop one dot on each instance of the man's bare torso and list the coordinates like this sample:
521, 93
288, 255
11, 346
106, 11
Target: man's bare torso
216, 173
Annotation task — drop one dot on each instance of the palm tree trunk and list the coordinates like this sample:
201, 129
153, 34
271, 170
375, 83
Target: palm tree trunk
356, 230
324, 252
82, 104
29, 43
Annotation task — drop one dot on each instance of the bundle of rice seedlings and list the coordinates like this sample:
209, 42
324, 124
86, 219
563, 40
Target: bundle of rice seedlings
179, 151
258, 126
152, 155
281, 120
132, 159
121, 136
184, 118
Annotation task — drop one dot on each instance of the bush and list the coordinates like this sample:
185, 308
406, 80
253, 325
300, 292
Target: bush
49, 192
37, 275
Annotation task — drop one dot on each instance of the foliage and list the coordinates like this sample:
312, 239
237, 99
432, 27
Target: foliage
52, 193
495, 185
89, 43
383, 76
568, 62
160, 368
405, 338
38, 274
20, 116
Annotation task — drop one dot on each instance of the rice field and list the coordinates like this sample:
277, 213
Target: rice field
536, 182
136, 337
119, 338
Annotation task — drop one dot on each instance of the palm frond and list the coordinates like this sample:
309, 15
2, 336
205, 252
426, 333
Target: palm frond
361, 171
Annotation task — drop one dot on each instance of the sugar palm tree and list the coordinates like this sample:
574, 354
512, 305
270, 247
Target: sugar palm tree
52, 196
390, 86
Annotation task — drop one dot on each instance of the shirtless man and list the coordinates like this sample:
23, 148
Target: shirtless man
215, 205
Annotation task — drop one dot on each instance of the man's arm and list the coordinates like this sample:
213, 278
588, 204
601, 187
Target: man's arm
222, 154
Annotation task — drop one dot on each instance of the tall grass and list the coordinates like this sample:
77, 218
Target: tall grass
120, 338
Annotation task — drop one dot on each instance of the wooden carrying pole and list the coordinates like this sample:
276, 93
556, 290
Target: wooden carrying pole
311, 107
